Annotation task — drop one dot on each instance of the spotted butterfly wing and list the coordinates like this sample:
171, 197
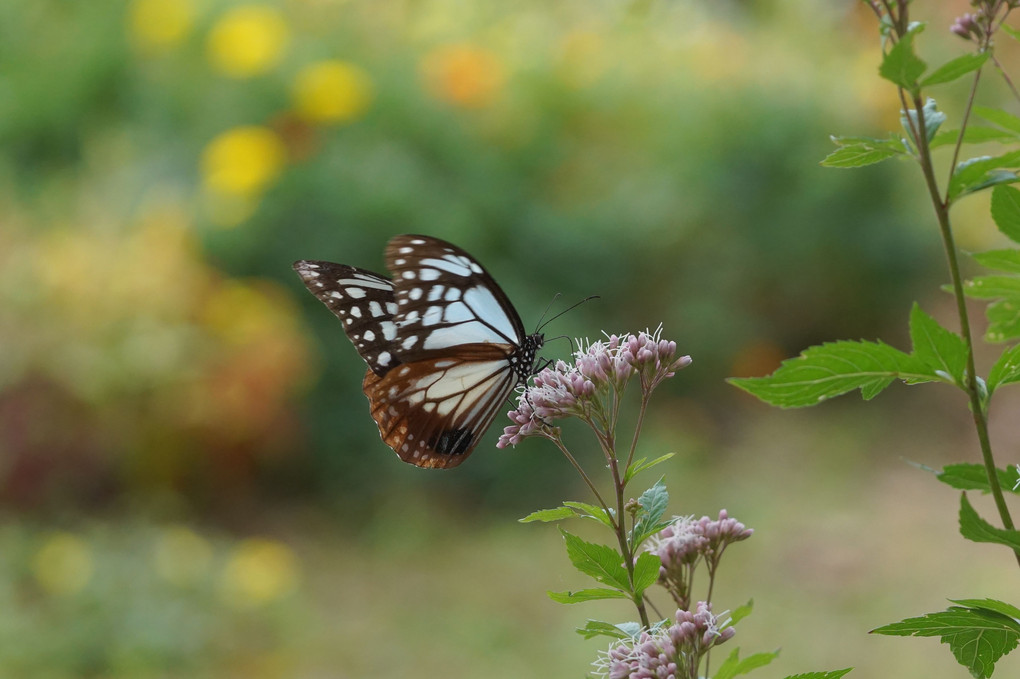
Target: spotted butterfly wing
443, 344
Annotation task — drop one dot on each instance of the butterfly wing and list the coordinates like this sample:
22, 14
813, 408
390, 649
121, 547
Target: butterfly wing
446, 299
363, 301
433, 412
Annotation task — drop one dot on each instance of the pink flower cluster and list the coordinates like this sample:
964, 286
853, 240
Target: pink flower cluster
575, 390
666, 653
685, 539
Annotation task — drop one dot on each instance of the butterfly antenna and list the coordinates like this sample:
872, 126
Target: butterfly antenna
569, 308
547, 307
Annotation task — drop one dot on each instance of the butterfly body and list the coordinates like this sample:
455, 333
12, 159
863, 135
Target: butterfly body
443, 344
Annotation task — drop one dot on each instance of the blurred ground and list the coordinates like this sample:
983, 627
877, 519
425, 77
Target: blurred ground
190, 485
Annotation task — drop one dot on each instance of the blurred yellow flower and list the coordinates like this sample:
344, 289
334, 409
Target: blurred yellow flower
182, 557
239, 313
160, 24
332, 91
63, 565
463, 75
247, 41
242, 161
258, 572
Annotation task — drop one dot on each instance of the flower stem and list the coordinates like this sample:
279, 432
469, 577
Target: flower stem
970, 384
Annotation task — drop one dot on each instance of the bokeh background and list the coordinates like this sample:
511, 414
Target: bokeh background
190, 483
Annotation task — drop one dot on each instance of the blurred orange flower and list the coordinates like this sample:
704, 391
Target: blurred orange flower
332, 91
160, 24
464, 75
242, 161
247, 41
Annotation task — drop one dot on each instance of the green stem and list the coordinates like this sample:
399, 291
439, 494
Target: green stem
970, 381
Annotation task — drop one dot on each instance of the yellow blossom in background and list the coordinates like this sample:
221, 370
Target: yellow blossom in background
332, 91
160, 24
247, 41
63, 565
181, 556
259, 571
463, 75
243, 161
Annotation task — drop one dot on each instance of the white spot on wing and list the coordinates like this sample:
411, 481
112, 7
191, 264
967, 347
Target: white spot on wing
365, 282
427, 274
356, 293
383, 358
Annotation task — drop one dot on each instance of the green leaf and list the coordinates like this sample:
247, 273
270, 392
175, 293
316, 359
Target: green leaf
990, 287
734, 666
591, 512
596, 628
974, 134
1003, 320
1006, 370
582, 595
933, 119
603, 563
549, 515
640, 465
1012, 32
857, 155
646, 572
943, 351
832, 369
740, 612
956, 68
976, 529
991, 605
972, 476
977, 637
982, 172
653, 504
901, 66
999, 117
1006, 211
1001, 260
832, 674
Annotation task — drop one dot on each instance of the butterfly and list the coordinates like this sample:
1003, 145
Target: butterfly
443, 344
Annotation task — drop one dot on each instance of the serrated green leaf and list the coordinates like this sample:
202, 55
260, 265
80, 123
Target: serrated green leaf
640, 465
832, 369
733, 666
942, 350
983, 172
977, 637
1001, 260
956, 68
653, 504
603, 563
990, 605
832, 674
933, 119
1006, 211
595, 628
976, 529
974, 134
857, 155
583, 595
972, 476
892, 143
901, 66
549, 515
740, 612
1006, 370
1003, 320
591, 511
999, 117
646, 572
990, 287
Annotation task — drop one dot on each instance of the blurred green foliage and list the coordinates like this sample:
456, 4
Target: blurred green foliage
164, 163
